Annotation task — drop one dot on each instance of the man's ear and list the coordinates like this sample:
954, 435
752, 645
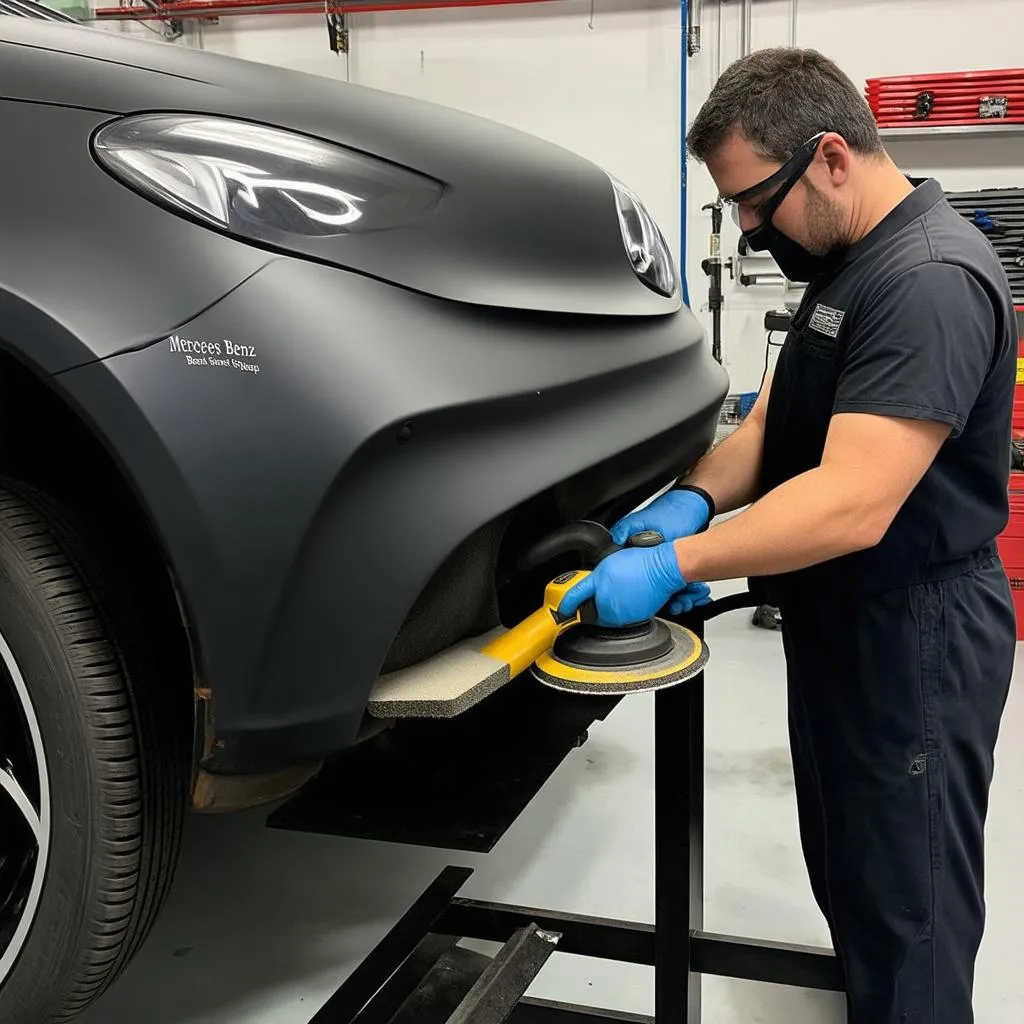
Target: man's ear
834, 153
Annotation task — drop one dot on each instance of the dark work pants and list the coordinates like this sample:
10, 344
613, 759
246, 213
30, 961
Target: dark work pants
895, 702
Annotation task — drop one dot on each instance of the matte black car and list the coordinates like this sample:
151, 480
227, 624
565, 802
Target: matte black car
291, 372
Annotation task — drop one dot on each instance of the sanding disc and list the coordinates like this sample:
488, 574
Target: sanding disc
688, 656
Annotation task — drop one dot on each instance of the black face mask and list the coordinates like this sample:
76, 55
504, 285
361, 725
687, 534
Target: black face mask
793, 259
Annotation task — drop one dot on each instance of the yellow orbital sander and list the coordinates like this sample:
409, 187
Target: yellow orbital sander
576, 654
570, 653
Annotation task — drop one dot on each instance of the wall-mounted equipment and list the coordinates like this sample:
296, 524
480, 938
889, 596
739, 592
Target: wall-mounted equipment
998, 213
954, 98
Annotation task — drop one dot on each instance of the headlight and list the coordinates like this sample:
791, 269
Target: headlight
260, 183
648, 251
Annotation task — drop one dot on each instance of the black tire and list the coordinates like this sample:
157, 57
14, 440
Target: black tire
115, 734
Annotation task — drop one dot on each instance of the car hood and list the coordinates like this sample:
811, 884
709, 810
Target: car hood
522, 224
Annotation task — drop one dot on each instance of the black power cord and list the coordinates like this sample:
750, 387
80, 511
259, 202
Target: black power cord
776, 321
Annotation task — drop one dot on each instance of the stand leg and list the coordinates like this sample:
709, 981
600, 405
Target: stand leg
678, 847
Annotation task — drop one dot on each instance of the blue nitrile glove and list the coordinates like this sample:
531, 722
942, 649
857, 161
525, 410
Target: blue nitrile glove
694, 596
675, 514
630, 586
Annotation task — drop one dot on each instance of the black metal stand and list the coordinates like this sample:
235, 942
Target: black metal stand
418, 973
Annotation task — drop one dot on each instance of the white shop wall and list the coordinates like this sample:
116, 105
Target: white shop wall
607, 85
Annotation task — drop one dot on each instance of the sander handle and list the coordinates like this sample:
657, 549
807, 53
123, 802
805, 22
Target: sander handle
591, 540
522, 645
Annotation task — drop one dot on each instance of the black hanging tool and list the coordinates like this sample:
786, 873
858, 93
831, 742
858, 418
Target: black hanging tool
337, 30
712, 266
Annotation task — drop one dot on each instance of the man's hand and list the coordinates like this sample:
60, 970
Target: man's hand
675, 514
630, 586
696, 595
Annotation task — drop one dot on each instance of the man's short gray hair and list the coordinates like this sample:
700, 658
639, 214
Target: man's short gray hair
779, 98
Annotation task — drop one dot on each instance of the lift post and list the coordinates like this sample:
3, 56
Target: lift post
418, 972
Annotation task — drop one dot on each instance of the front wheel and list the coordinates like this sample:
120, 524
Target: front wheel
93, 765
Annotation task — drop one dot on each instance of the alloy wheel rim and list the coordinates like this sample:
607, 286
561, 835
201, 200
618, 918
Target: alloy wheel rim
24, 812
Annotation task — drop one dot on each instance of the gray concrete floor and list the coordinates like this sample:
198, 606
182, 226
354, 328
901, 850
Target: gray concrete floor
263, 926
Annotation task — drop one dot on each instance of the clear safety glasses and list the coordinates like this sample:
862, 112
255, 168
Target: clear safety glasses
783, 179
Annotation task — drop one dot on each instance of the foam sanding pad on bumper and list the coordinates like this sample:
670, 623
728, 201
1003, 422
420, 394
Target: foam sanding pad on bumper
443, 686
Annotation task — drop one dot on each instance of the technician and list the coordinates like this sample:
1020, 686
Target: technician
875, 466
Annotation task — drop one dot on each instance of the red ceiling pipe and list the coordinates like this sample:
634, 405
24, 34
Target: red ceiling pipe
209, 11
220, 8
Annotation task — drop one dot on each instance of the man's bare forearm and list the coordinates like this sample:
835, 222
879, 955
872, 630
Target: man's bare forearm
816, 516
870, 466
730, 473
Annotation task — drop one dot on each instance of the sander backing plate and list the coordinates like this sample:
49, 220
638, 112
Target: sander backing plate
688, 656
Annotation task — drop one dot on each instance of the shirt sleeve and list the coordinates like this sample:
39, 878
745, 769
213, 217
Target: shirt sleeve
922, 350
